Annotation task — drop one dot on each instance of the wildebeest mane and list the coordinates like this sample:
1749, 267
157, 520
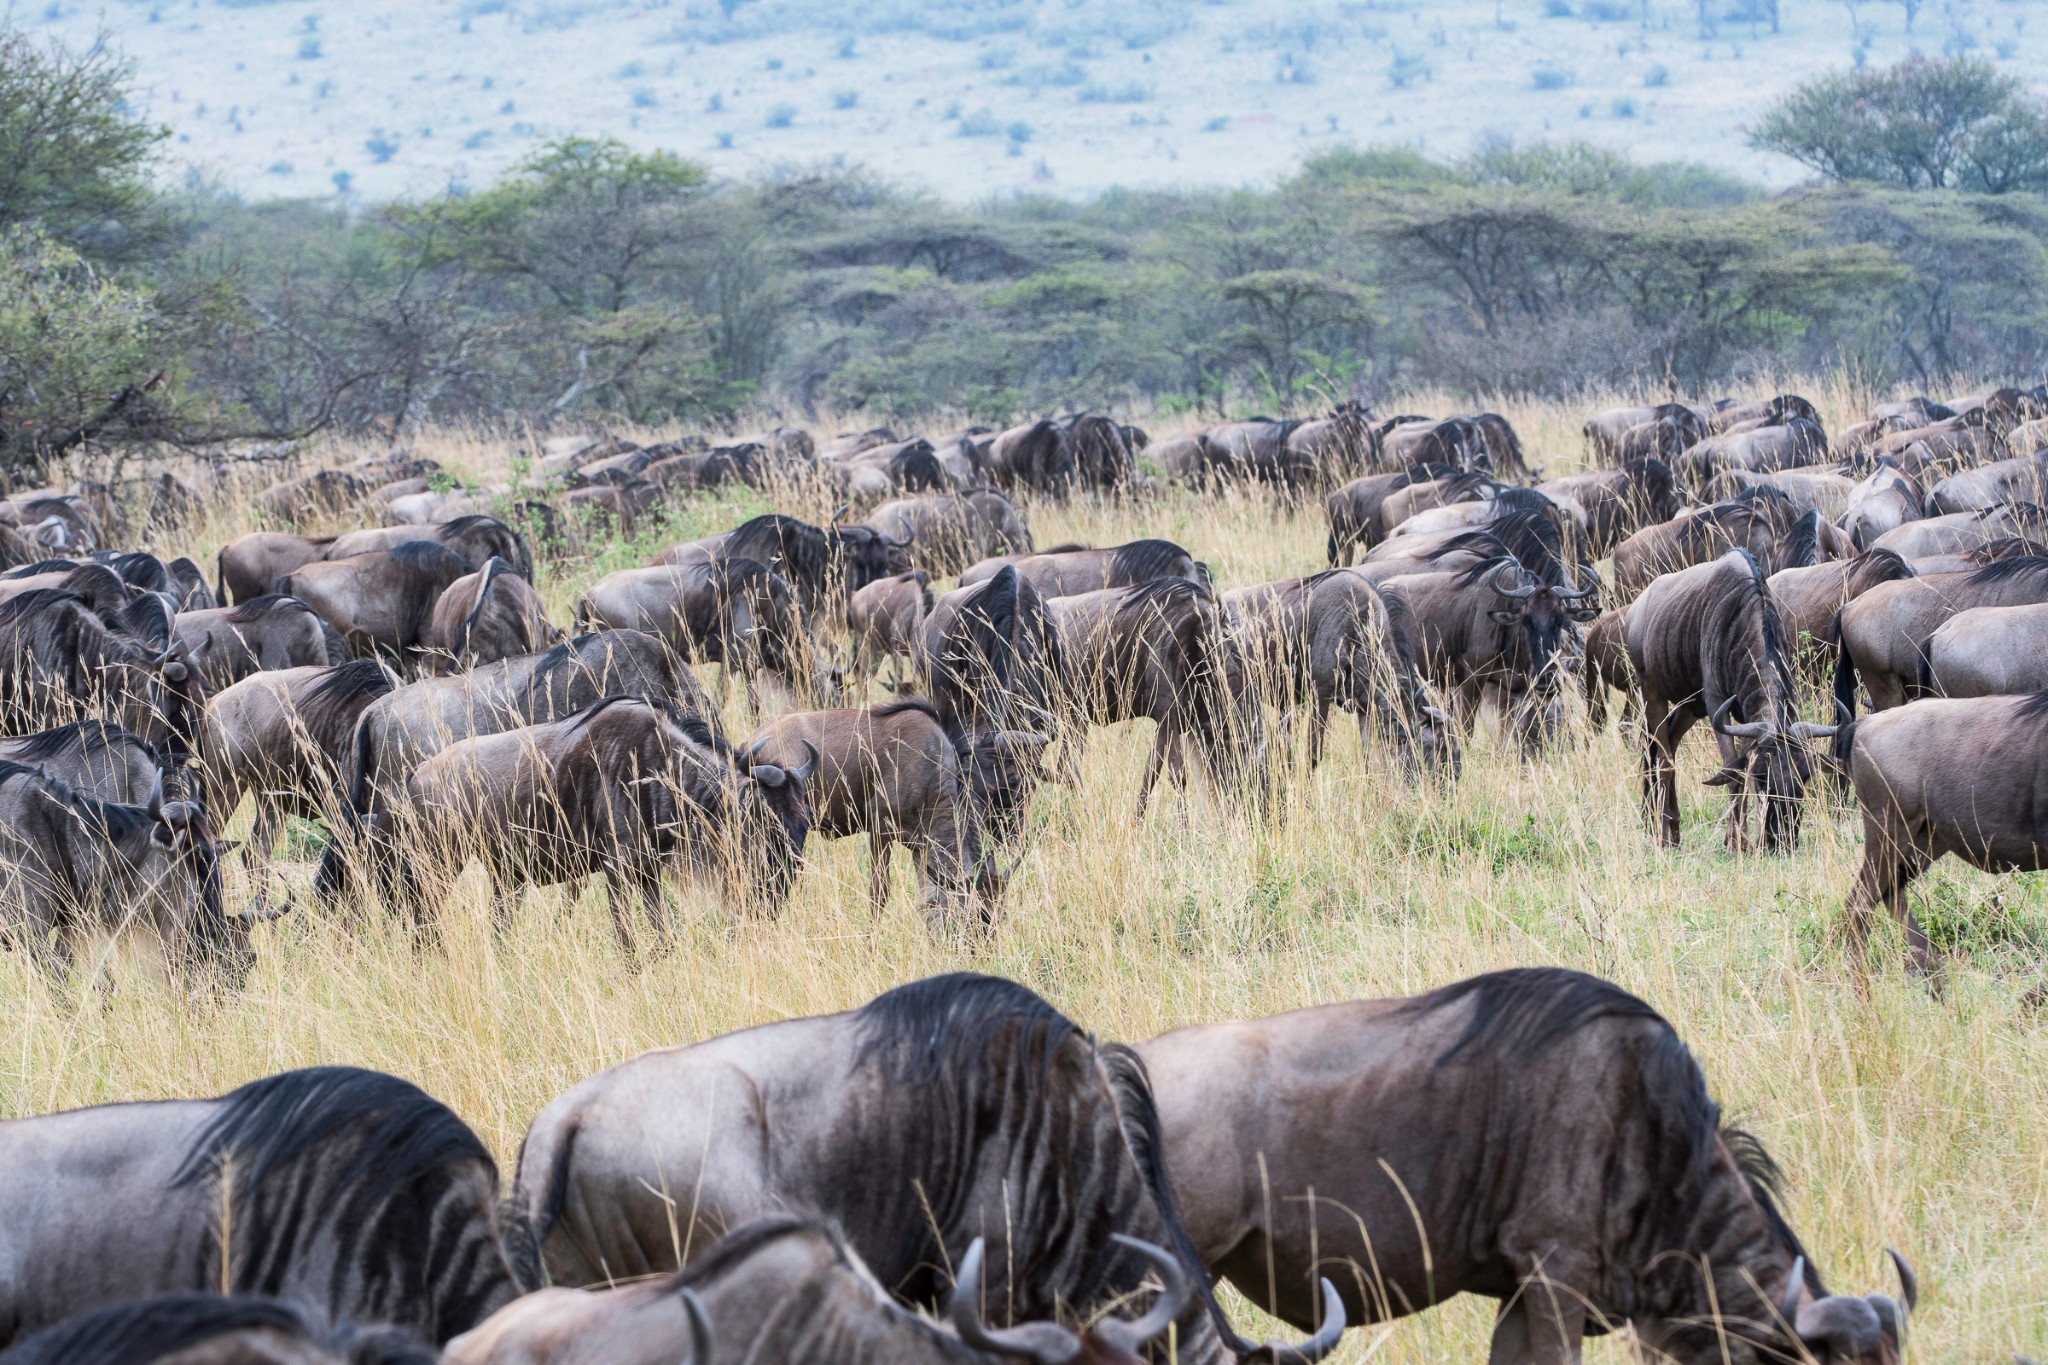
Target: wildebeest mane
1459, 482
1801, 546
41, 567
1066, 548
138, 569
1158, 594
271, 1124
1532, 537
943, 1025
35, 600
2005, 547
425, 556
2020, 568
1526, 1010
805, 550
54, 741
903, 704
331, 705
1140, 560
1872, 567
119, 821
256, 608
147, 1330
745, 1241
148, 619
2034, 708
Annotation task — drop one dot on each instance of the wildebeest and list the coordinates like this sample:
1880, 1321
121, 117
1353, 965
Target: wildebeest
991, 658
1982, 652
1884, 633
227, 644
1333, 640
1068, 569
1701, 642
949, 531
1163, 650
250, 566
215, 1329
1756, 520
790, 1289
325, 492
381, 601
1356, 511
352, 1193
1338, 446
94, 757
1887, 497
477, 539
868, 476
1762, 449
621, 506
1617, 502
1536, 1136
1810, 597
58, 660
818, 561
1451, 489
884, 619
1456, 441
924, 1118
486, 616
1954, 531
1817, 489
1604, 431
733, 612
2021, 479
1937, 777
1036, 455
687, 470
285, 738
895, 774
1103, 456
623, 790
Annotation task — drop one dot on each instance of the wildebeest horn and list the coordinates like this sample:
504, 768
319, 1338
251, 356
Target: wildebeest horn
262, 912
803, 772
700, 1328
1132, 1335
1754, 729
842, 510
1573, 594
1851, 1328
156, 797
1047, 1343
1909, 1283
1788, 1302
902, 544
1323, 1342
1512, 594
770, 775
1807, 729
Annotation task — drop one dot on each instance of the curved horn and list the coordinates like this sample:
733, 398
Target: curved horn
700, 1328
841, 511
1573, 594
1810, 730
1788, 1303
1326, 1338
769, 775
1909, 1283
156, 796
261, 911
1047, 1343
1132, 1335
1755, 729
803, 771
894, 543
1512, 594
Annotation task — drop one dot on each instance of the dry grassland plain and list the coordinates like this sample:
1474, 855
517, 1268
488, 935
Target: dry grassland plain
1902, 1117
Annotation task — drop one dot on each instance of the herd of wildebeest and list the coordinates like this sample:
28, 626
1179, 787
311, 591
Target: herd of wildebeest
956, 1171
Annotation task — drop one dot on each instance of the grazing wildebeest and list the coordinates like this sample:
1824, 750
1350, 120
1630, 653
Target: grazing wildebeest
689, 470
1103, 457
55, 521
736, 613
1956, 531
1756, 520
1943, 776
789, 1289
285, 738
621, 506
1356, 511
249, 566
1455, 441
1536, 1136
227, 644
1817, 489
1260, 450
351, 1193
1333, 640
59, 660
1887, 497
1704, 641
884, 619
72, 865
946, 532
1338, 446
624, 790
818, 561
94, 757
486, 616
379, 602
915, 1124
873, 474
1069, 569
1763, 449
1982, 652
1604, 431
325, 492
477, 539
1036, 455
1617, 502
1884, 633
1809, 599
2021, 479
893, 773
1469, 485
1163, 651
991, 658
212, 1329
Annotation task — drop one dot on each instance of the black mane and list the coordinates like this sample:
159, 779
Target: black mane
922, 1031
52, 742
148, 1330
2019, 567
256, 608
1140, 560
2034, 708
40, 567
1526, 1010
344, 686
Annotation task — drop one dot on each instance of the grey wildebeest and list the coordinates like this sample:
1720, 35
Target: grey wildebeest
1536, 1136
352, 1193
323, 493
823, 563
1757, 520
59, 661
284, 738
991, 658
1036, 455
884, 618
1810, 597
914, 1123
227, 644
895, 774
1604, 431
624, 790
215, 1329
73, 865
1703, 642
949, 531
1333, 640
1356, 511
1956, 531
1162, 651
2022, 479
1456, 441
477, 539
1824, 490
250, 566
1069, 569
1616, 503
486, 616
1982, 652
94, 757
1883, 634
1943, 776
1762, 449
380, 601
1887, 497
789, 1289
1103, 455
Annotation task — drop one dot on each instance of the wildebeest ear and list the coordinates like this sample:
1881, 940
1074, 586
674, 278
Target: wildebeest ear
163, 835
1584, 615
1506, 618
1723, 778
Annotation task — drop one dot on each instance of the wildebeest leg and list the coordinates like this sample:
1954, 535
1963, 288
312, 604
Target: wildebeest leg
1889, 866
1735, 828
1163, 743
1534, 1330
880, 845
1660, 773
1318, 731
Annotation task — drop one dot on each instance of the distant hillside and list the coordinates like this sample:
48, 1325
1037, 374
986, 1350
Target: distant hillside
981, 97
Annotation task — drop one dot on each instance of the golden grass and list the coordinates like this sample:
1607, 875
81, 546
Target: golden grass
1901, 1118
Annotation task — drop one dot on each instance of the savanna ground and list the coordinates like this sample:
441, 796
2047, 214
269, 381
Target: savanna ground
1901, 1117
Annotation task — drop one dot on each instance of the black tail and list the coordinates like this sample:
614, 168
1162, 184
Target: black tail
220, 592
360, 787
1330, 547
1845, 674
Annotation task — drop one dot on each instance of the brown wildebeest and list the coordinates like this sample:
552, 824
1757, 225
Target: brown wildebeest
1338, 446
1456, 441
1990, 651
1356, 514
59, 661
741, 462
285, 737
1616, 503
1887, 497
250, 566
884, 470
323, 493
1333, 640
1195, 461
1824, 490
1756, 520
2021, 479
227, 644
95, 758
949, 531
1929, 452
893, 773
1701, 642
823, 563
1261, 450
732, 1307
621, 506
1779, 408
212, 1329
1763, 449
1069, 569
622, 790
1604, 431
2028, 437
1464, 486
486, 616
1605, 667
917, 1113
1036, 455
1811, 597
1163, 650
990, 658
1937, 777
1537, 1136
1104, 458
381, 601
475, 537
1956, 531
884, 618
1884, 633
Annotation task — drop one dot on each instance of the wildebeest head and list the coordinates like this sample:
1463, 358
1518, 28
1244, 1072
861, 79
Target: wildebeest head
1777, 765
1541, 614
866, 554
783, 796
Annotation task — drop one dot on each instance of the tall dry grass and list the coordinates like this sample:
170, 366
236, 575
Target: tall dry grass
1901, 1117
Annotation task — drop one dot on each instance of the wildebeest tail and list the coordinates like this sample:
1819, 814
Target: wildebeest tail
1845, 674
529, 1214
220, 577
1330, 547
361, 789
1843, 749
